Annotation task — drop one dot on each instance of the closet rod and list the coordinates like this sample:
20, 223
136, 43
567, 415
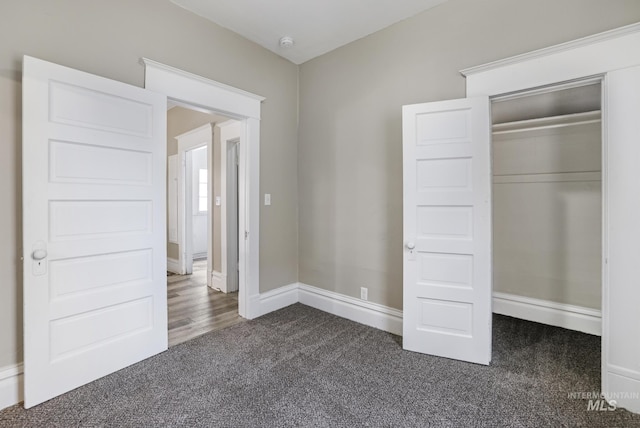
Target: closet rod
547, 122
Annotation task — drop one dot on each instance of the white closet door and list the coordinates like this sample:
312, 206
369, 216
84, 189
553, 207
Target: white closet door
621, 347
447, 229
94, 164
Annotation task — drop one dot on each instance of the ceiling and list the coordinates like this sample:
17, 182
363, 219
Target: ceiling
316, 26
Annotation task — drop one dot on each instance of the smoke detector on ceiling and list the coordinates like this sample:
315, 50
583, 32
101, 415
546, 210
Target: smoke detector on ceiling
286, 42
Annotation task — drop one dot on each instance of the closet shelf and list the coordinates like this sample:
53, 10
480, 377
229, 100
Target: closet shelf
547, 122
557, 177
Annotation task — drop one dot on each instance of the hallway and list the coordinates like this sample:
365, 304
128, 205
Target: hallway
196, 309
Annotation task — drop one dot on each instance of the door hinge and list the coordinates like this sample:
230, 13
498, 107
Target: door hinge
246, 234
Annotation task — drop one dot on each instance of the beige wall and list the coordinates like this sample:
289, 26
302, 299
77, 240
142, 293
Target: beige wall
547, 233
344, 162
349, 149
108, 37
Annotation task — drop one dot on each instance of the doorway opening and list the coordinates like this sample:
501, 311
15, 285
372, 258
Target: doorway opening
197, 161
230, 148
182, 87
197, 216
547, 223
226, 276
604, 55
547, 205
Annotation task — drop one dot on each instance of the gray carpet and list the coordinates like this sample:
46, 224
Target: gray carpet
302, 367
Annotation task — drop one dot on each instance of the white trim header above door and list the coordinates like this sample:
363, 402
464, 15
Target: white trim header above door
588, 56
231, 101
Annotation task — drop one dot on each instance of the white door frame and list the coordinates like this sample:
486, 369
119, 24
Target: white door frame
188, 141
230, 225
229, 132
244, 106
584, 58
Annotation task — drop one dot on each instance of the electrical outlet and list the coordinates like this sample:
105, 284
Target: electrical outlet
364, 293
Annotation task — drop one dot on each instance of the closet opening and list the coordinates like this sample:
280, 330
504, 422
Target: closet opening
547, 205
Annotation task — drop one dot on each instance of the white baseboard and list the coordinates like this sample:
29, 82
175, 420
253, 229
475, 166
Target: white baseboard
218, 281
173, 265
622, 387
273, 300
371, 314
363, 312
545, 312
11, 384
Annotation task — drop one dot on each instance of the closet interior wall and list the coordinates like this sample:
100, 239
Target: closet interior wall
547, 197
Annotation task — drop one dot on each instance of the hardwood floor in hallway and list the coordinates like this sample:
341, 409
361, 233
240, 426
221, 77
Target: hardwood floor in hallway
196, 309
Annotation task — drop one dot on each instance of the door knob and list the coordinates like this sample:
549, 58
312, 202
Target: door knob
39, 254
411, 245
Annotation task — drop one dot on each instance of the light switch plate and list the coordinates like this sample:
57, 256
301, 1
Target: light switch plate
267, 198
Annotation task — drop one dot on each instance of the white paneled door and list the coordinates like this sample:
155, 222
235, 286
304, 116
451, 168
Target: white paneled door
447, 229
94, 234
